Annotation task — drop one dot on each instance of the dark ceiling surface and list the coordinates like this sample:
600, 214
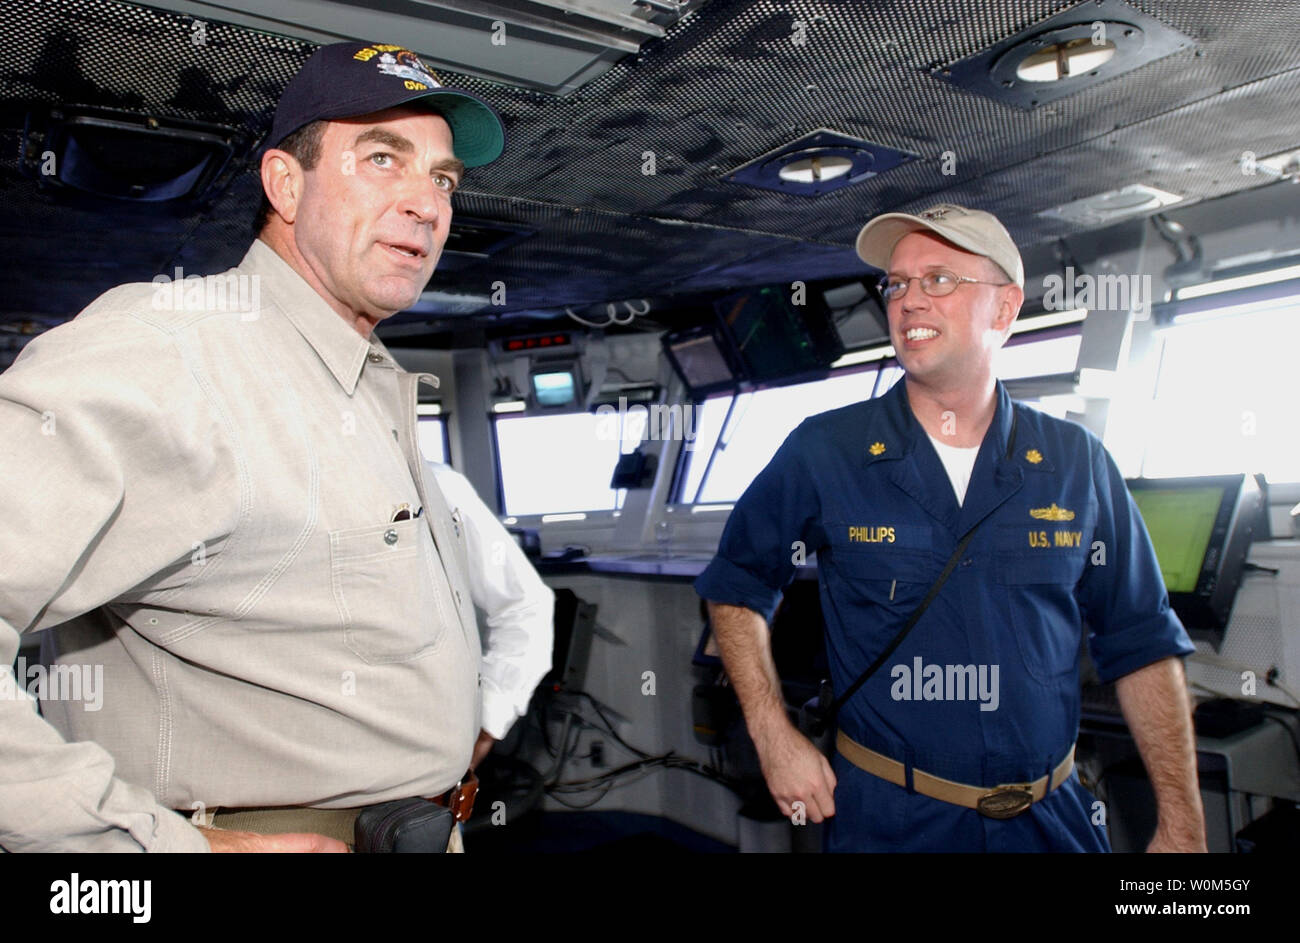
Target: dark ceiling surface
726, 85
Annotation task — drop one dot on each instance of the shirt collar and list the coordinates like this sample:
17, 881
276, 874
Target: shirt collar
339, 346
897, 431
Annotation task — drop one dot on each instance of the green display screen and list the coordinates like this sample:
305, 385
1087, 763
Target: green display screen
1180, 521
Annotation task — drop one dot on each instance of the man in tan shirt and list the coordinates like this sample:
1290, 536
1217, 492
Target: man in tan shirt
214, 489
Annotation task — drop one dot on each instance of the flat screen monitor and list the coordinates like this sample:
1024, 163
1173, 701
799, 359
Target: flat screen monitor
1201, 529
776, 337
698, 356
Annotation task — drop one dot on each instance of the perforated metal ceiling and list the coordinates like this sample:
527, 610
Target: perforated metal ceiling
727, 84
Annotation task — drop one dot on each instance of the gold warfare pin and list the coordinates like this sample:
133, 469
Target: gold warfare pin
1052, 513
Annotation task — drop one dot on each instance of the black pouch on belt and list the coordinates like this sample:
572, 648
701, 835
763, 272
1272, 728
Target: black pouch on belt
404, 826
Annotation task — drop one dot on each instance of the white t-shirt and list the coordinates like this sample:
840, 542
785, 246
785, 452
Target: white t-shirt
958, 463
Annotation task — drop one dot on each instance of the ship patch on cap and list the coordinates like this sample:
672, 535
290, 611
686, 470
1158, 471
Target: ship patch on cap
402, 63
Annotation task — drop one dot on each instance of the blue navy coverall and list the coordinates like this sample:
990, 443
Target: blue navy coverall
1059, 541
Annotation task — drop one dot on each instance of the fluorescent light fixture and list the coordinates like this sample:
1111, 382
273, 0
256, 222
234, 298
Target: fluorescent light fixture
1241, 281
1101, 208
708, 508
557, 518
1050, 319
1285, 165
428, 409
864, 356
510, 520
510, 406
449, 303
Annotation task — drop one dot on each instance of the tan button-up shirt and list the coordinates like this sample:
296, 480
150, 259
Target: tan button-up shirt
198, 484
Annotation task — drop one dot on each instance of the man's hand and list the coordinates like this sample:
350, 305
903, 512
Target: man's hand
221, 840
796, 771
482, 747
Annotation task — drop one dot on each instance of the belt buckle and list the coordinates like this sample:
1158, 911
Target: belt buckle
1005, 802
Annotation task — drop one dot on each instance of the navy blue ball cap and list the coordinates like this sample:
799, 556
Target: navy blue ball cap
344, 80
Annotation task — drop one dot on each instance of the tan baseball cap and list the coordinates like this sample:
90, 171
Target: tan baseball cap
973, 230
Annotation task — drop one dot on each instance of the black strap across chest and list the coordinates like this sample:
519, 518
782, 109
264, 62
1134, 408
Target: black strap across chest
827, 715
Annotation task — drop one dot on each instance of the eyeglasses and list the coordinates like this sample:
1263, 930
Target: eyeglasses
936, 284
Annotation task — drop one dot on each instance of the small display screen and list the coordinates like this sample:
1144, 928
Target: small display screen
554, 389
1180, 521
701, 362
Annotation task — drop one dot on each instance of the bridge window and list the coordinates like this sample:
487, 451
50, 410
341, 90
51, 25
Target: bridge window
719, 471
1225, 398
563, 463
432, 431
1043, 353
1030, 356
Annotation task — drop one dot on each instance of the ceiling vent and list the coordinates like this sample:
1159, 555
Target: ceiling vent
819, 162
1065, 54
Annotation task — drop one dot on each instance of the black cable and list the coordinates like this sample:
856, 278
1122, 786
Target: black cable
628, 379
609, 726
667, 761
563, 758
1288, 728
540, 718
621, 776
584, 805
582, 785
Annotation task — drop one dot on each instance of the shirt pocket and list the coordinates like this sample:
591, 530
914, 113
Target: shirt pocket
390, 599
869, 593
888, 568
1037, 572
1040, 555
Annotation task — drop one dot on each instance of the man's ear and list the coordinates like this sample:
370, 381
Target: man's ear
1009, 306
282, 181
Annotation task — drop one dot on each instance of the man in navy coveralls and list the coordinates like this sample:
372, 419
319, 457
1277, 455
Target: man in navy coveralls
964, 739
